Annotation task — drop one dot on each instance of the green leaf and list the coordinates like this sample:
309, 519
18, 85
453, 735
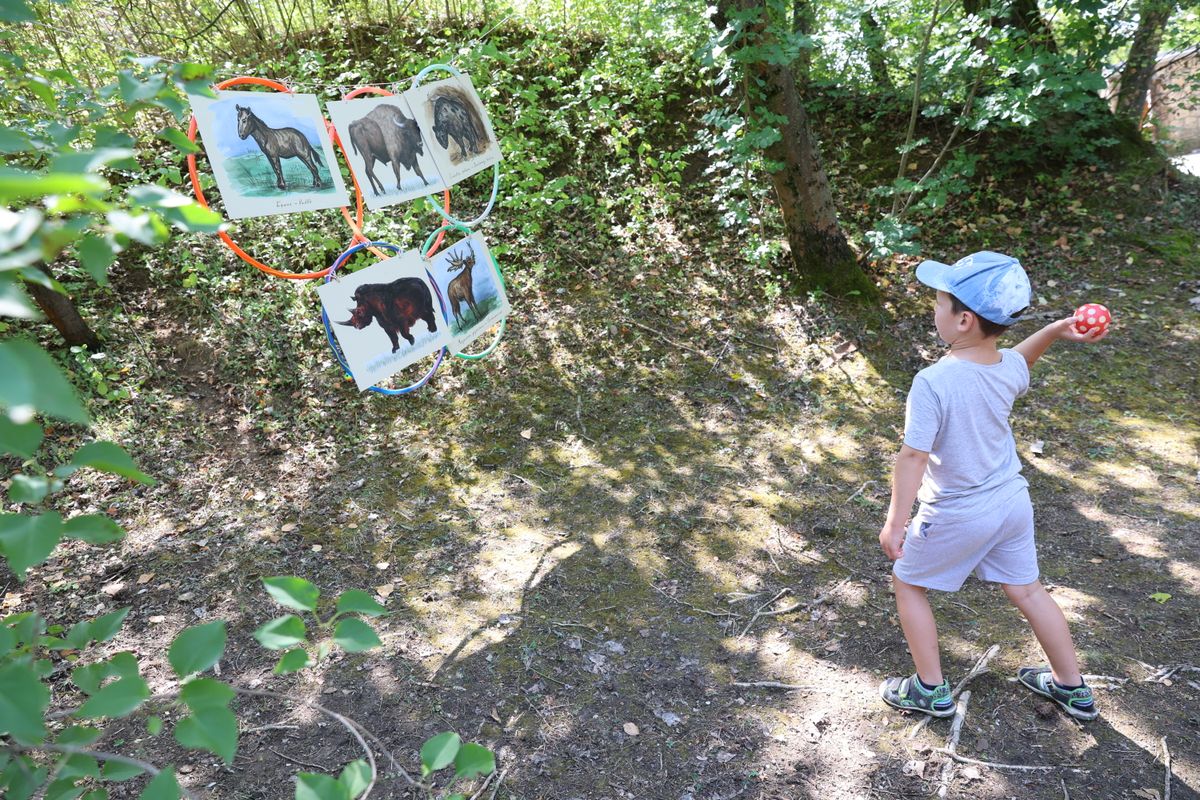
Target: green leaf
355, 636
356, 777
206, 693
33, 383
312, 786
213, 728
20, 440
292, 592
281, 633
79, 735
65, 789
28, 488
117, 699
17, 184
23, 702
179, 139
439, 751
22, 777
14, 302
76, 161
162, 787
359, 601
1160, 597
97, 794
15, 11
18, 228
119, 771
154, 725
100, 629
473, 759
108, 457
78, 766
28, 540
197, 648
93, 529
95, 255
292, 661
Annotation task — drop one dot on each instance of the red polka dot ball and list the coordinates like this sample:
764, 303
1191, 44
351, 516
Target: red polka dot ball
1092, 316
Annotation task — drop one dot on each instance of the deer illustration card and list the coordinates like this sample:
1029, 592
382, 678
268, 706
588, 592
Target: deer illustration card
269, 153
456, 126
385, 317
386, 150
475, 298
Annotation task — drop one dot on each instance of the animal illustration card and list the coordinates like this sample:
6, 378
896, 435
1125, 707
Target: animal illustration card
385, 149
385, 317
474, 293
270, 153
458, 131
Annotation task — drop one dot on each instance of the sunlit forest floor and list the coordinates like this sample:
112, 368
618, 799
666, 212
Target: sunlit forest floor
664, 487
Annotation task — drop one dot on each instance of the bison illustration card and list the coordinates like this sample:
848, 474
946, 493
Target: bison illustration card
385, 317
475, 297
269, 153
457, 129
385, 148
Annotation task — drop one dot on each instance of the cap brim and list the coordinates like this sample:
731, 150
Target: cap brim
933, 275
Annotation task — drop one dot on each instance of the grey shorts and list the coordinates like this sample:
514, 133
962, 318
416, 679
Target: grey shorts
996, 546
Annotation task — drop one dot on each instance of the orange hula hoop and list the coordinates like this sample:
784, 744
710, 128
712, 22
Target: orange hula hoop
356, 223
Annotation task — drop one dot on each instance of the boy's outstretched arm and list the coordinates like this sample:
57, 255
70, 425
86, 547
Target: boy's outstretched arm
906, 479
1033, 347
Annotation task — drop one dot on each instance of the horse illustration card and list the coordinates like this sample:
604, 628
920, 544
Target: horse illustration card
269, 153
457, 129
384, 147
474, 292
385, 317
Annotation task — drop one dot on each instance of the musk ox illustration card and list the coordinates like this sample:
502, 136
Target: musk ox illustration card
384, 317
270, 153
457, 129
475, 297
386, 150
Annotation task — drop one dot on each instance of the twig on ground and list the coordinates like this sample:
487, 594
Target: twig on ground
960, 715
1166, 770
694, 608
483, 788
791, 687
979, 668
1066, 795
297, 761
861, 489
1101, 681
964, 605
271, 728
758, 611
524, 479
499, 778
995, 765
667, 339
824, 598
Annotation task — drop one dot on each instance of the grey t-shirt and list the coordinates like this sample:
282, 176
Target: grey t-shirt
957, 411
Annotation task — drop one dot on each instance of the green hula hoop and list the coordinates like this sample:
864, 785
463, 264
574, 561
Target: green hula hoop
500, 275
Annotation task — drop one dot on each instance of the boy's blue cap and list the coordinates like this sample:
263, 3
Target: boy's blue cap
992, 285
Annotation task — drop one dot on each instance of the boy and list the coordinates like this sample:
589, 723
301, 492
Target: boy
960, 460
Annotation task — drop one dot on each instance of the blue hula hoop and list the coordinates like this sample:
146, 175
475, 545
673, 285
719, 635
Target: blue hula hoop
337, 353
416, 81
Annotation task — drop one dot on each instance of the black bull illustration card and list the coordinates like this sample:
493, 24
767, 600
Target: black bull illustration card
385, 317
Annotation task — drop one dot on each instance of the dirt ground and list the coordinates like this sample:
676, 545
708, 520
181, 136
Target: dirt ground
663, 489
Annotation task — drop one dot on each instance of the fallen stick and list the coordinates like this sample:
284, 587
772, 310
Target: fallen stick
793, 687
803, 606
979, 668
995, 765
960, 716
499, 780
759, 611
1166, 770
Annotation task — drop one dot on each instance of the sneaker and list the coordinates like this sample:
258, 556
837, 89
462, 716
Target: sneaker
907, 694
1077, 702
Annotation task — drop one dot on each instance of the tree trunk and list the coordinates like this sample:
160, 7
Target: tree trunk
873, 41
1143, 54
820, 253
62, 314
1026, 15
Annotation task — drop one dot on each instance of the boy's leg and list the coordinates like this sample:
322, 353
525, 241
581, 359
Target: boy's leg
1049, 626
920, 629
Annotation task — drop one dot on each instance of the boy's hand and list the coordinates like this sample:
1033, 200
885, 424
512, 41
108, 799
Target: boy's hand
1065, 329
891, 539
